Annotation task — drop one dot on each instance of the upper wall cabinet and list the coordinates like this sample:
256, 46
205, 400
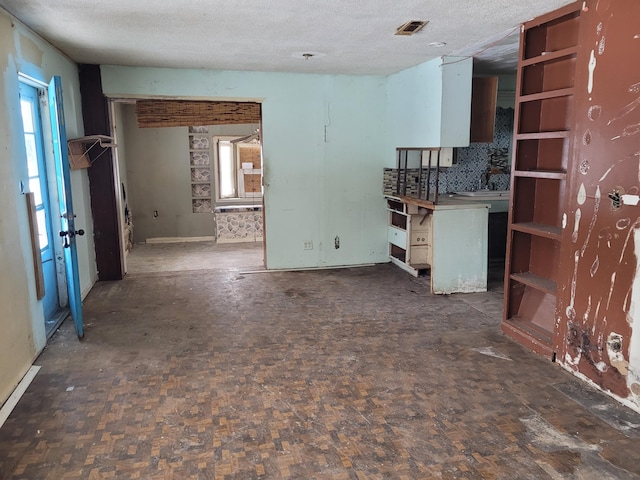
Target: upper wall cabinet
484, 95
430, 104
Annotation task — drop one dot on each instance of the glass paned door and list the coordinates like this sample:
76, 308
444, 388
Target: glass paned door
37, 183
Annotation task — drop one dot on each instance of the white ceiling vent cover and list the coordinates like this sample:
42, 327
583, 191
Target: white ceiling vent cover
411, 27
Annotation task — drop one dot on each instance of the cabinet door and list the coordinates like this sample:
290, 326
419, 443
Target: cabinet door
420, 255
484, 95
420, 233
442, 157
397, 237
598, 257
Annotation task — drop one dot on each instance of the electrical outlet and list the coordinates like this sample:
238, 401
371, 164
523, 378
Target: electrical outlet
308, 245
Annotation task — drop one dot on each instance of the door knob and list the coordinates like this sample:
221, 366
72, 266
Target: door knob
70, 234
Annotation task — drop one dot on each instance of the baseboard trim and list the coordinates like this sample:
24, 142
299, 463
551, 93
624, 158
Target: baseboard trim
180, 239
306, 269
239, 240
86, 291
15, 397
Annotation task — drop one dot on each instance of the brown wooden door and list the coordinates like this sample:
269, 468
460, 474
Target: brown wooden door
598, 258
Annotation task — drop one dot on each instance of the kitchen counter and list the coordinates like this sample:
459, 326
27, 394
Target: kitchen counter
447, 240
495, 203
445, 202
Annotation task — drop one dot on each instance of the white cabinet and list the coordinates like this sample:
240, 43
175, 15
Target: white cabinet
447, 241
397, 237
437, 158
429, 105
409, 236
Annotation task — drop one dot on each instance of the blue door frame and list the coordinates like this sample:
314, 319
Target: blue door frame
63, 180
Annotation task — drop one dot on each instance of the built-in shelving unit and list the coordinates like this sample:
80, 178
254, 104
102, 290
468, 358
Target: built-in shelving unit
543, 123
200, 164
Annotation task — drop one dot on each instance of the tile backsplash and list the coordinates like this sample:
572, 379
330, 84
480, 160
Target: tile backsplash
239, 225
473, 162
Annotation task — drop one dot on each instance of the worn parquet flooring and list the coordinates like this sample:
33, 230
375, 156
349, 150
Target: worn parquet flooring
192, 369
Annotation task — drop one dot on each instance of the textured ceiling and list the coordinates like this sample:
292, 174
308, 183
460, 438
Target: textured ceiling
345, 36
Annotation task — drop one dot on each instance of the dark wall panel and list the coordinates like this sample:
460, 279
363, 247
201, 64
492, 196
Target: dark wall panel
95, 112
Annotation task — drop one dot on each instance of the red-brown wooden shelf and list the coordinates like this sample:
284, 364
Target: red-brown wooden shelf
532, 228
543, 135
548, 174
535, 281
549, 56
532, 97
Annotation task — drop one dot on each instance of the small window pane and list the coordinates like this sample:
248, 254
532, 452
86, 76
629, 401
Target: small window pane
32, 154
27, 116
227, 170
34, 186
42, 229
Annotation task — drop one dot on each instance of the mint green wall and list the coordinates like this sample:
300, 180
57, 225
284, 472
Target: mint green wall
429, 105
22, 330
324, 150
352, 204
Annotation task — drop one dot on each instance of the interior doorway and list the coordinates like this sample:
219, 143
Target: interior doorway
176, 187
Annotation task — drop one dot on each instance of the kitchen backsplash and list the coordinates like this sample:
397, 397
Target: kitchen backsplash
473, 163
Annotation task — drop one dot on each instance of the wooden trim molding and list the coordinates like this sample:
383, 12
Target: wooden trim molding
35, 244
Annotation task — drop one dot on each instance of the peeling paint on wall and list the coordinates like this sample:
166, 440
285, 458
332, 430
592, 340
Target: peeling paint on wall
599, 291
633, 378
594, 217
592, 68
614, 349
582, 194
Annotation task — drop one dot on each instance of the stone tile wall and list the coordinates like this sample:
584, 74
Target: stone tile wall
238, 226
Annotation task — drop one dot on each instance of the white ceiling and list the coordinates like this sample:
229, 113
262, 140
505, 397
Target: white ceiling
345, 36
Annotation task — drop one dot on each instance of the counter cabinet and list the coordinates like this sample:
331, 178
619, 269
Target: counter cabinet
447, 241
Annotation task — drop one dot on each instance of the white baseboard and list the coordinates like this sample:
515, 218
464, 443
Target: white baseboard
305, 269
180, 239
86, 291
239, 240
12, 401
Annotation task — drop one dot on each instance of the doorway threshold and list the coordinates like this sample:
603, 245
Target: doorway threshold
53, 323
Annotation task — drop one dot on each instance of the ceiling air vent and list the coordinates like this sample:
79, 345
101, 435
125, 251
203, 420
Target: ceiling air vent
411, 27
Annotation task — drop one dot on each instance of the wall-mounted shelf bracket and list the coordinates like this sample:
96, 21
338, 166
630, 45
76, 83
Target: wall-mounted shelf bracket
79, 149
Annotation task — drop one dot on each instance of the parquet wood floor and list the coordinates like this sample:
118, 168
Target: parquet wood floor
203, 372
